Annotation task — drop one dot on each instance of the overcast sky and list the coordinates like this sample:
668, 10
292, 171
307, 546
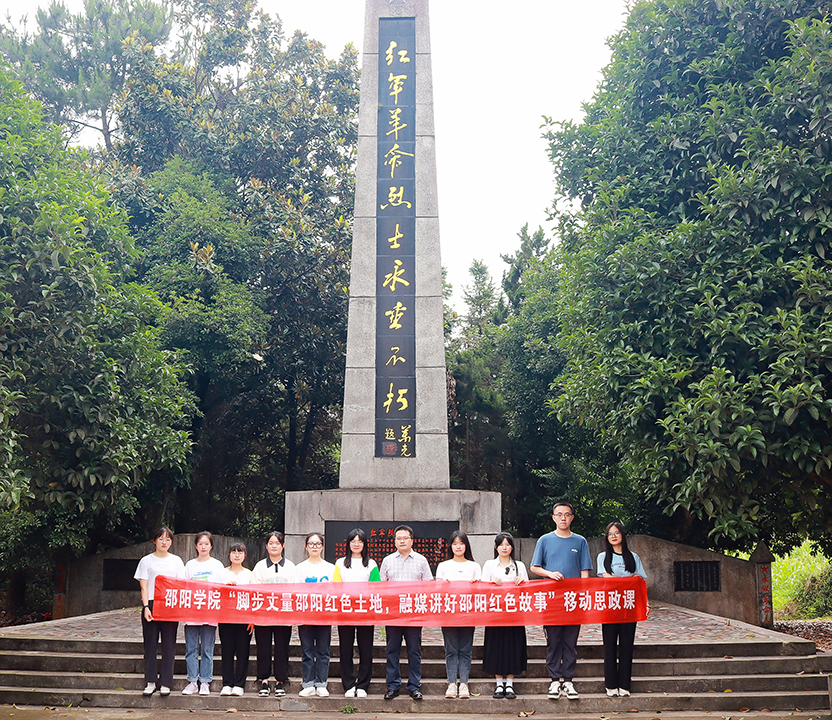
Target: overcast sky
533, 58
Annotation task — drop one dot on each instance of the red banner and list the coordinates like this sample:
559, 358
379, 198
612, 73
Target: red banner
539, 602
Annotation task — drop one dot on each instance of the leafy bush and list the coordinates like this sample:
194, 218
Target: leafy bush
814, 599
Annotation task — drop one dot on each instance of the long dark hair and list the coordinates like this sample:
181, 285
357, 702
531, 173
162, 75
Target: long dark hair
629, 560
468, 555
365, 551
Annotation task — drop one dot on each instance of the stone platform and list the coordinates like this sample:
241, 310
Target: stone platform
688, 666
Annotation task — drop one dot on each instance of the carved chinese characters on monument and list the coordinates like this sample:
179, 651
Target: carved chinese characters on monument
396, 241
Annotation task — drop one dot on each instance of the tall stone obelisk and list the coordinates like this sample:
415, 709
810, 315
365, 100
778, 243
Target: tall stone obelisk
394, 451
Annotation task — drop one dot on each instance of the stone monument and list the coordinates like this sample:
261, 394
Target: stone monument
394, 451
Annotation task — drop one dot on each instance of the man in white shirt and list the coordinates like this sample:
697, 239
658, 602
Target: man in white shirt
404, 565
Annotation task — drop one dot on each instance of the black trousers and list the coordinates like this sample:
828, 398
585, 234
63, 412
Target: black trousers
562, 650
347, 634
236, 647
151, 633
266, 636
619, 639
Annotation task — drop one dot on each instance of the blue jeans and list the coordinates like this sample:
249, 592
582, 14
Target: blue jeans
314, 647
459, 642
200, 666
413, 639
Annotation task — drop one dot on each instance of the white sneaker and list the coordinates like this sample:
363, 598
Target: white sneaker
308, 691
554, 689
191, 689
451, 691
463, 691
623, 693
149, 689
351, 692
226, 690
361, 692
612, 692
204, 689
237, 690
569, 690
322, 691
164, 691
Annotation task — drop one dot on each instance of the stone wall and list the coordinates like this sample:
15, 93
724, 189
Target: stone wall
737, 597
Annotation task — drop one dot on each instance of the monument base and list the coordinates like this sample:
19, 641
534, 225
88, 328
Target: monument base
475, 512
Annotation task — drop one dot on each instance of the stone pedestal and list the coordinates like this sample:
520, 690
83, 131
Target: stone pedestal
478, 513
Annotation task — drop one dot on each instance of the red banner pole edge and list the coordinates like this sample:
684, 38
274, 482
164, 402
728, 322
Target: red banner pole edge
538, 602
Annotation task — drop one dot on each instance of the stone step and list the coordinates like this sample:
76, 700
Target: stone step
436, 687
67, 662
587, 703
764, 646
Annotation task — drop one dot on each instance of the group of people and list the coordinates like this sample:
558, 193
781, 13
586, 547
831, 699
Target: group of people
558, 555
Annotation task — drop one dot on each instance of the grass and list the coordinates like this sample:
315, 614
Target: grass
789, 572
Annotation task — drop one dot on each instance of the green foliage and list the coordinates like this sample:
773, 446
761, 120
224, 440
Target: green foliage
790, 573
91, 402
814, 599
75, 64
236, 169
695, 289
92, 409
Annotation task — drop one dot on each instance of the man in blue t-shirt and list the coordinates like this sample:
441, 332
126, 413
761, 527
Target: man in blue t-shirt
558, 555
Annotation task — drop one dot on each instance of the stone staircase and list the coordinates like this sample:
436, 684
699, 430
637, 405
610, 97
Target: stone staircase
783, 678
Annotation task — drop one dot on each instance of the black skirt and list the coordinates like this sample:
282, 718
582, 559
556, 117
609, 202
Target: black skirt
504, 650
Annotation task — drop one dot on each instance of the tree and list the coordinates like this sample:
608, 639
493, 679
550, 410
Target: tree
236, 166
694, 285
91, 404
76, 65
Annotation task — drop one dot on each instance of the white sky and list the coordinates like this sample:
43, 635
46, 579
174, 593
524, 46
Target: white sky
532, 58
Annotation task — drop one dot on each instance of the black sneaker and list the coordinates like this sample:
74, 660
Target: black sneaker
279, 690
264, 689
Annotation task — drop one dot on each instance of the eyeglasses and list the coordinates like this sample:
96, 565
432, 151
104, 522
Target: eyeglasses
562, 515
314, 544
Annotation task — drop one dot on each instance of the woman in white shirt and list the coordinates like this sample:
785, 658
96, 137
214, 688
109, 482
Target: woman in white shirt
159, 562
459, 641
235, 638
357, 566
314, 639
505, 652
618, 560
200, 637
273, 569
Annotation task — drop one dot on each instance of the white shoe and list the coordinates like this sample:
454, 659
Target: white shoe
164, 691
237, 690
226, 690
361, 692
554, 689
149, 689
204, 689
463, 691
612, 692
569, 690
191, 689
308, 691
351, 692
322, 691
623, 693
451, 691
